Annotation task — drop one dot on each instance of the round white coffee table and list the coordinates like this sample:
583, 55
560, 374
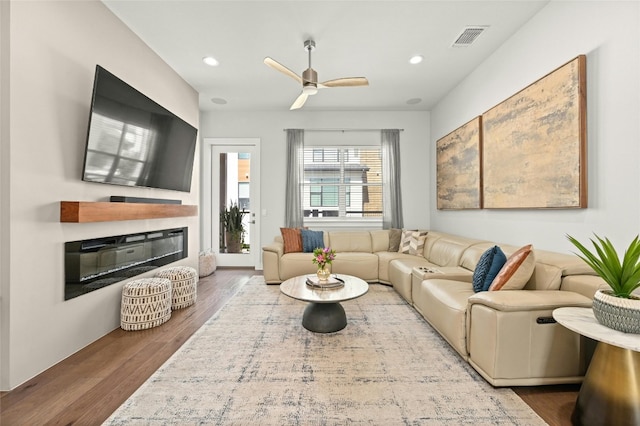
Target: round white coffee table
324, 313
610, 391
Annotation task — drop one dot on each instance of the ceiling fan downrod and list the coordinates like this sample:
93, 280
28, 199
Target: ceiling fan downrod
310, 76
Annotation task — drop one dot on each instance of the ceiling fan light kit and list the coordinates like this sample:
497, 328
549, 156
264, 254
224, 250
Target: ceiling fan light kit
309, 79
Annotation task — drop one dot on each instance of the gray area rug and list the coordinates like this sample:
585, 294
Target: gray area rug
254, 364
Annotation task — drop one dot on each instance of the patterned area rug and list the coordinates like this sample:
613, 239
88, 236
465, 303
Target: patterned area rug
253, 363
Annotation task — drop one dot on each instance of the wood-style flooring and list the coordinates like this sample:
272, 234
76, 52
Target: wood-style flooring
87, 387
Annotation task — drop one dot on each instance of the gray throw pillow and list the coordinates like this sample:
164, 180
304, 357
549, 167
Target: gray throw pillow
395, 235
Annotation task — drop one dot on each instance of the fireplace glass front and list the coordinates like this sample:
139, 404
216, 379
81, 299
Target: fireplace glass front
99, 262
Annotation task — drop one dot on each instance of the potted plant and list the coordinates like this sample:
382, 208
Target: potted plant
231, 221
617, 307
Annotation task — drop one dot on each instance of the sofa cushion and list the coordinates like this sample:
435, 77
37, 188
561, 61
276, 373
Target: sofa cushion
292, 240
361, 265
446, 249
516, 271
490, 263
400, 273
295, 264
311, 240
471, 256
384, 260
353, 241
379, 240
413, 242
395, 235
443, 303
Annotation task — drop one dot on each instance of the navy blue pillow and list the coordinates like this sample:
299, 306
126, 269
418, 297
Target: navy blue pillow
311, 240
487, 268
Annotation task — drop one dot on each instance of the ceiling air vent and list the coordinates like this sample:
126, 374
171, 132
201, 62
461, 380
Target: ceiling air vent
468, 36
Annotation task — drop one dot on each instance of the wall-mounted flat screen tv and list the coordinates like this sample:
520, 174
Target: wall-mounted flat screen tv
133, 141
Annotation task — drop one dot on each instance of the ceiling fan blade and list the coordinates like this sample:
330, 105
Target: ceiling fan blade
299, 101
279, 67
344, 82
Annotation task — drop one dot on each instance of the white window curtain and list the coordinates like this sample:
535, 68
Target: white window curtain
295, 174
391, 193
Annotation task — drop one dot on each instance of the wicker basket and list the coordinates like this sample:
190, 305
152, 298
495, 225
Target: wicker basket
616, 312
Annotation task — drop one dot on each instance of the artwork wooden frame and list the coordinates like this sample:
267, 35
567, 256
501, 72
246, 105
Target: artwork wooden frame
459, 177
534, 144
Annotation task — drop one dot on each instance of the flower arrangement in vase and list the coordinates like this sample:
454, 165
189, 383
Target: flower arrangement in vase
323, 257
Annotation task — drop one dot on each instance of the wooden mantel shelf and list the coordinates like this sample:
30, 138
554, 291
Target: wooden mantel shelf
86, 211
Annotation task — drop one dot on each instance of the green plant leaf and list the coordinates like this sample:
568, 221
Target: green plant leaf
623, 277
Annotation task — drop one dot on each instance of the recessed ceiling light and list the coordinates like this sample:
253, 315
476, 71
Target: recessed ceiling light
414, 101
416, 59
211, 61
219, 101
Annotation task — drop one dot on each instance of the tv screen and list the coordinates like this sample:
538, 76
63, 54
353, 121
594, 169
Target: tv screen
133, 141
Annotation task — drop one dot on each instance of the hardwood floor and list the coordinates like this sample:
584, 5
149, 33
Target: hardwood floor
87, 387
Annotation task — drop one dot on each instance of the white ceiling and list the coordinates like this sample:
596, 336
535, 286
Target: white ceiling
374, 39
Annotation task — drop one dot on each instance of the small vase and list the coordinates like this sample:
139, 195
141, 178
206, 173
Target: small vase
323, 273
616, 312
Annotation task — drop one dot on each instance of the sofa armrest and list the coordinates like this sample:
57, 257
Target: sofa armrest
271, 255
528, 300
513, 340
275, 247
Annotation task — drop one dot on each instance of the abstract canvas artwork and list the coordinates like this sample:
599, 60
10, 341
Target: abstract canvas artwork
534, 144
458, 168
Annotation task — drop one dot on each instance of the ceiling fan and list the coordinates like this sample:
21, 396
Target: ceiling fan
309, 79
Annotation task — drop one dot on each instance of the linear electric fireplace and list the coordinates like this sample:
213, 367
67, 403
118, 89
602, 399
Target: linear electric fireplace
99, 262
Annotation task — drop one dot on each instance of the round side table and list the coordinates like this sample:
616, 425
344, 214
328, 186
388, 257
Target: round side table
610, 391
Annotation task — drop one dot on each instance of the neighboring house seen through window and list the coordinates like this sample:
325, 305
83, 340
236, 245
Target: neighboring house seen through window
342, 182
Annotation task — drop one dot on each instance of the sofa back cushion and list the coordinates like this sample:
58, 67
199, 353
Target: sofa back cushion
380, 240
586, 285
343, 241
471, 255
446, 249
551, 267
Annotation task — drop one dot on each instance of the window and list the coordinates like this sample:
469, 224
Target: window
323, 195
342, 182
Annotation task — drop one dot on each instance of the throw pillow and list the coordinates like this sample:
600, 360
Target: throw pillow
516, 271
487, 268
413, 242
311, 240
395, 235
405, 241
418, 239
292, 240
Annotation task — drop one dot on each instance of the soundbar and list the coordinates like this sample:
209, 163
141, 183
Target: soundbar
123, 199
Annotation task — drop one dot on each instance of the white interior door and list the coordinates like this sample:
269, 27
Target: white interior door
231, 174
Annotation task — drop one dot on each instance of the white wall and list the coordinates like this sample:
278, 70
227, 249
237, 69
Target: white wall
608, 32
54, 48
268, 126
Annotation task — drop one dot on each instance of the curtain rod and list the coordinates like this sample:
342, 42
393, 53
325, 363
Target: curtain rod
343, 130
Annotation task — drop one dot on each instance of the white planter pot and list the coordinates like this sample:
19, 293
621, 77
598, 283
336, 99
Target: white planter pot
616, 312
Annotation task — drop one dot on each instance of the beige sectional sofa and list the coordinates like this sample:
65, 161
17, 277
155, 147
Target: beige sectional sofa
508, 336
